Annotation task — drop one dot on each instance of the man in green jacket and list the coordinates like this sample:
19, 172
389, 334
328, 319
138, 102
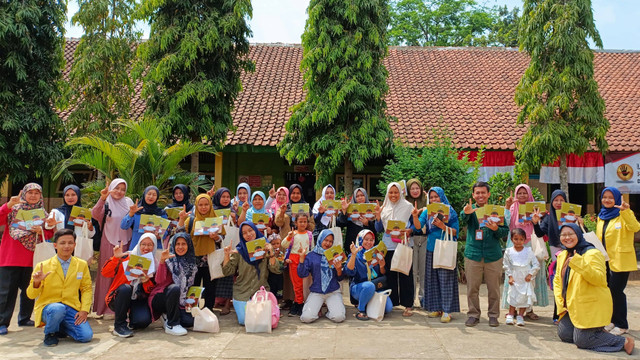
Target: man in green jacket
483, 254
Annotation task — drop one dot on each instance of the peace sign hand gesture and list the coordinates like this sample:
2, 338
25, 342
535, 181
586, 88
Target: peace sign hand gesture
468, 209
133, 209
15, 200
211, 191
39, 276
415, 211
345, 205
105, 192
623, 206
535, 217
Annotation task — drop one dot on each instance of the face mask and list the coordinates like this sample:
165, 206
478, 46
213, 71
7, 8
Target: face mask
331, 211
136, 271
78, 221
570, 218
190, 301
369, 216
355, 216
260, 226
339, 258
258, 253
394, 233
149, 228
37, 222
495, 219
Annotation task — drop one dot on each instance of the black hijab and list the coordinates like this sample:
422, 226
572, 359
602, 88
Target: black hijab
299, 187
65, 209
217, 197
185, 199
549, 224
150, 209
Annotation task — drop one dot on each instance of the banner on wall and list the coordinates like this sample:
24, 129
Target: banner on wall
622, 170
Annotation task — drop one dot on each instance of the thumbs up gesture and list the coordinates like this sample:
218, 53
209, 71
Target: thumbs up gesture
468, 209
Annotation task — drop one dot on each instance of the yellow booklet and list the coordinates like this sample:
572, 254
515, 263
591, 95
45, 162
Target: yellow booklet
440, 210
255, 248
208, 226
568, 213
153, 224
375, 254
261, 221
335, 252
494, 213
302, 208
332, 206
79, 216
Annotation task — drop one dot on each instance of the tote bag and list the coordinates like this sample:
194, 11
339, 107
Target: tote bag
539, 248
214, 260
84, 245
43, 251
592, 238
257, 316
232, 236
445, 252
204, 320
377, 304
402, 259
337, 232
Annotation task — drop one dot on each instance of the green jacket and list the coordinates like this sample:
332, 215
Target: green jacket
248, 282
489, 249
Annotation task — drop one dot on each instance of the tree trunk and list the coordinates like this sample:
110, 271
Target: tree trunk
564, 174
195, 157
348, 178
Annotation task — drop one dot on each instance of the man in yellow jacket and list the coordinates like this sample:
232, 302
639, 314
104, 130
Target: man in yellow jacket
55, 284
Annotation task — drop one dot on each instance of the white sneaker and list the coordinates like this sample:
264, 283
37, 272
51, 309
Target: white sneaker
509, 320
617, 331
176, 330
519, 321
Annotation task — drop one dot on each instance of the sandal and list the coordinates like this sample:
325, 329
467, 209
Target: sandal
532, 316
407, 312
362, 316
225, 310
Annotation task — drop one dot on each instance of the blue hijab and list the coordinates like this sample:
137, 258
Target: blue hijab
150, 209
242, 246
65, 209
453, 216
612, 212
253, 210
185, 199
327, 273
242, 186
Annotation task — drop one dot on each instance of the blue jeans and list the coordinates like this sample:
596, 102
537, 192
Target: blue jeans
59, 317
240, 307
363, 292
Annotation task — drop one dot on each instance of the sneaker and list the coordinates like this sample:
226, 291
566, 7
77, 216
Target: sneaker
176, 330
519, 321
446, 318
293, 309
122, 331
509, 320
434, 314
3, 330
609, 327
26, 323
50, 340
493, 322
617, 331
472, 321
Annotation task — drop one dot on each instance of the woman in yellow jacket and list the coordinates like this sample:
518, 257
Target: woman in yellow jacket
582, 297
55, 284
616, 227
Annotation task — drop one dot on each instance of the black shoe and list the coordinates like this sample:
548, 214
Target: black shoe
472, 321
50, 340
26, 323
300, 307
293, 311
122, 331
61, 335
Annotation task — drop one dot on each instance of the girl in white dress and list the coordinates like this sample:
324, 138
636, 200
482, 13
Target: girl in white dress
520, 267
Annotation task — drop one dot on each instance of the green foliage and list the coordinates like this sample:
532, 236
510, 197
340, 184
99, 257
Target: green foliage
590, 222
451, 23
140, 155
435, 164
559, 97
31, 60
502, 184
343, 115
100, 88
195, 54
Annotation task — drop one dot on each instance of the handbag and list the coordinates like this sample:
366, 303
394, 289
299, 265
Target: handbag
337, 232
445, 252
84, 245
377, 304
204, 320
44, 251
232, 236
402, 259
258, 313
539, 248
214, 261
592, 238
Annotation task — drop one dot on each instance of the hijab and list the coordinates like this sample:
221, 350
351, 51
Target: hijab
138, 251
453, 215
242, 246
218, 196
325, 268
580, 248
242, 186
299, 187
371, 274
253, 210
275, 205
515, 212
183, 268
549, 224
203, 243
65, 209
316, 207
353, 200
185, 199
117, 210
421, 200
400, 210
612, 212
27, 238
150, 209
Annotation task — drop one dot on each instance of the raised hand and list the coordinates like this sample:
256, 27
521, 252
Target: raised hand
378, 209
15, 200
133, 209
51, 222
623, 206
272, 191
354, 249
105, 192
227, 250
535, 217
345, 205
166, 255
283, 208
246, 206
415, 211
322, 209
183, 215
468, 209
39, 276
211, 191
117, 250
509, 201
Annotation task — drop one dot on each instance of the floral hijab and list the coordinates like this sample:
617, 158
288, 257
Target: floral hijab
27, 238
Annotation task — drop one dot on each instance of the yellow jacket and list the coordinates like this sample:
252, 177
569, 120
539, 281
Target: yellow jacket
619, 241
56, 288
588, 297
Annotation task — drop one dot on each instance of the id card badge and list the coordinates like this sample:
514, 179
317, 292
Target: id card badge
79, 275
479, 234
618, 226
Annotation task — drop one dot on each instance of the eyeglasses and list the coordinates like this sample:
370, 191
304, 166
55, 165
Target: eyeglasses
567, 236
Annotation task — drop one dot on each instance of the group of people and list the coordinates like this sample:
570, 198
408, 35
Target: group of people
590, 304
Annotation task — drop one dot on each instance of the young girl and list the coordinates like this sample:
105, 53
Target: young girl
148, 205
322, 220
520, 267
128, 298
71, 196
276, 280
299, 240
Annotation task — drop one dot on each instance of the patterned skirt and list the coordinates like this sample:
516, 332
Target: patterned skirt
224, 287
440, 288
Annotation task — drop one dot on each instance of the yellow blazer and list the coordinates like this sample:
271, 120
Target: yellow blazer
56, 288
588, 298
619, 241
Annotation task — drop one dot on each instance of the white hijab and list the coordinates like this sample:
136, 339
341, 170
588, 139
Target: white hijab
400, 210
325, 219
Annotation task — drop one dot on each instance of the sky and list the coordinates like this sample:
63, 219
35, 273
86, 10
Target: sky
283, 21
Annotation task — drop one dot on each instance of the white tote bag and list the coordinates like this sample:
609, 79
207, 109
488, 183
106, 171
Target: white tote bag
44, 251
445, 252
214, 260
592, 238
402, 259
377, 304
337, 232
231, 237
539, 248
204, 320
84, 245
257, 316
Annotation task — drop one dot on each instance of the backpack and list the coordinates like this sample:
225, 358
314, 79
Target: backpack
98, 227
275, 309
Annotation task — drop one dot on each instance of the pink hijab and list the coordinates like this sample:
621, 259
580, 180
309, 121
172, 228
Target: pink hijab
118, 210
528, 228
275, 205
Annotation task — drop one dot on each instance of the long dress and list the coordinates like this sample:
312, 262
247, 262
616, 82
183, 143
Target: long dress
519, 264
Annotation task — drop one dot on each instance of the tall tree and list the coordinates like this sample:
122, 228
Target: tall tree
505, 27
31, 60
195, 55
342, 119
559, 97
100, 88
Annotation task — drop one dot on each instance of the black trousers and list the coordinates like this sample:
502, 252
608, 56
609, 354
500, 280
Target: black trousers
13, 278
168, 302
209, 294
137, 310
617, 282
401, 285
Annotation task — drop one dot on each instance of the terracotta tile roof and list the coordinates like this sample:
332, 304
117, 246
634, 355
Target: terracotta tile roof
470, 90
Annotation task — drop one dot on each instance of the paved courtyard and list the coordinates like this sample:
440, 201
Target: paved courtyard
417, 337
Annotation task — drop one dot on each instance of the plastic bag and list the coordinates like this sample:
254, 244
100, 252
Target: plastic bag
205, 320
539, 248
377, 304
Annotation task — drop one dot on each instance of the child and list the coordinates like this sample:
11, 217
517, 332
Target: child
520, 266
299, 239
276, 280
